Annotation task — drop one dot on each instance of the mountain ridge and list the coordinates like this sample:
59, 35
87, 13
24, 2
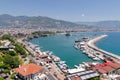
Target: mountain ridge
103, 24
35, 21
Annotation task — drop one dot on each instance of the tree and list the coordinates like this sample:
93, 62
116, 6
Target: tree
20, 49
1, 59
10, 61
8, 37
2, 65
16, 61
96, 78
12, 53
6, 71
1, 78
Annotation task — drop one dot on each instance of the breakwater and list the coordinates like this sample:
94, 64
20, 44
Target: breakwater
91, 45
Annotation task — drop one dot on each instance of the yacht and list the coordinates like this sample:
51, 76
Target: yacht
96, 58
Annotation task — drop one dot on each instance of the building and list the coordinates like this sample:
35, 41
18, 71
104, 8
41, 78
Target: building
85, 75
30, 72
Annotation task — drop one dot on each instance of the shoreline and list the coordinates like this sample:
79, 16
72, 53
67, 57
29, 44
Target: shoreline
91, 44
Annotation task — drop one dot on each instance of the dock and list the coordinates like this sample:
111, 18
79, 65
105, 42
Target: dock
91, 45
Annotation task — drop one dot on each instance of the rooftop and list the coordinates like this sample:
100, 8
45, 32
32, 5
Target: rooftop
75, 78
28, 69
83, 75
106, 67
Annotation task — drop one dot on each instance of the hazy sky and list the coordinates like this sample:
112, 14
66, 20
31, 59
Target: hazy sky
70, 10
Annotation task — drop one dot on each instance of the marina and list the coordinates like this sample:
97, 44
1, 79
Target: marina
91, 44
63, 48
95, 55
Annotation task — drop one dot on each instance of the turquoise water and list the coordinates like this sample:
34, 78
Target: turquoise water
111, 43
62, 46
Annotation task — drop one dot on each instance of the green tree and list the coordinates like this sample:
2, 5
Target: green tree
6, 71
1, 78
12, 53
12, 76
8, 60
2, 65
7, 37
1, 59
20, 49
11, 61
16, 61
96, 78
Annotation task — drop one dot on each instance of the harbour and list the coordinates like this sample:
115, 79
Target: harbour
95, 54
63, 48
88, 47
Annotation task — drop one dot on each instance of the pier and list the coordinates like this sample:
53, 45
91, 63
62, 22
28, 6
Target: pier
91, 46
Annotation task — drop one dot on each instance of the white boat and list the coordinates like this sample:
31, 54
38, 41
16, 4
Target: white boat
61, 62
84, 51
75, 66
81, 65
91, 55
96, 58
76, 46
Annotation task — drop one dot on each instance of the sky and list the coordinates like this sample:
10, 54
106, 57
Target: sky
68, 10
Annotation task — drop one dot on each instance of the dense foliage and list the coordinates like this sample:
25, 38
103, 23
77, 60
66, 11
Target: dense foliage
20, 49
10, 58
1, 78
7, 37
42, 33
11, 61
96, 78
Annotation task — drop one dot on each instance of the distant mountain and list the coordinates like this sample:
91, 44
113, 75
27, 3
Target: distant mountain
35, 22
103, 24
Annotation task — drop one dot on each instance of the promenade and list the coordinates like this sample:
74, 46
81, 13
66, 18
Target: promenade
91, 45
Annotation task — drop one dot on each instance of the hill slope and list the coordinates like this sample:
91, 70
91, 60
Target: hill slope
35, 22
103, 24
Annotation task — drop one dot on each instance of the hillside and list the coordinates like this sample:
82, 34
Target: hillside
35, 22
113, 24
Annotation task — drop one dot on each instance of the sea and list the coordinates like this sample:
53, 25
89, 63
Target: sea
62, 46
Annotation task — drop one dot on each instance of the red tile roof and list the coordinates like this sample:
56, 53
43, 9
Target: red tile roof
29, 69
108, 68
114, 65
102, 71
75, 78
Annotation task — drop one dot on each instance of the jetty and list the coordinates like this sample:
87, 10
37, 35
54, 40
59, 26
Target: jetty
91, 45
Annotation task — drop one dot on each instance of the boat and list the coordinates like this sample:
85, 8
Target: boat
85, 39
62, 65
77, 41
61, 62
91, 55
75, 66
44, 35
81, 65
67, 34
96, 58
76, 46
84, 51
